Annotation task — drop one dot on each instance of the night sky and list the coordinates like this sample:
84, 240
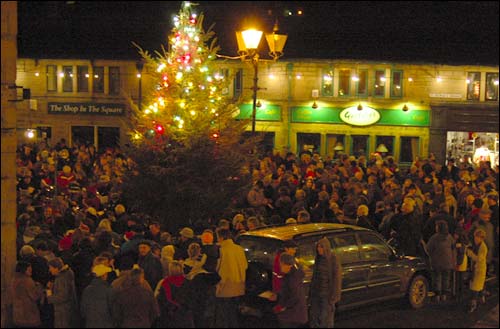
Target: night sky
431, 32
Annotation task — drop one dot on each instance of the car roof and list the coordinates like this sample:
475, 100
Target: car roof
289, 232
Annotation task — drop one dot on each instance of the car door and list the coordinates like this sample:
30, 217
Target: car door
384, 275
354, 269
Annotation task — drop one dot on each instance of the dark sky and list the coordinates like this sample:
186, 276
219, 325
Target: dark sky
435, 32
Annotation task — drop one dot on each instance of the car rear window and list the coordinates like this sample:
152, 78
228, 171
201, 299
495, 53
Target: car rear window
260, 249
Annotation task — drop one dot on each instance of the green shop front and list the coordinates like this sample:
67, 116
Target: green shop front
360, 130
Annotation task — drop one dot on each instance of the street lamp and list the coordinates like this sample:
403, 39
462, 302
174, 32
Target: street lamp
139, 66
248, 43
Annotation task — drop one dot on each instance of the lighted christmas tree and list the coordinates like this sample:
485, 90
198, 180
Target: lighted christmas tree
191, 162
187, 100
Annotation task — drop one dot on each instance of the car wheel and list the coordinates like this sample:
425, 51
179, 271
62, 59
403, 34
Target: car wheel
417, 291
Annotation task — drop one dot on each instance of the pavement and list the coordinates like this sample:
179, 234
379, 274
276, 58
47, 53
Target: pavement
490, 320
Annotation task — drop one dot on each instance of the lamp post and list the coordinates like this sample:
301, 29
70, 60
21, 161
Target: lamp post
248, 43
140, 65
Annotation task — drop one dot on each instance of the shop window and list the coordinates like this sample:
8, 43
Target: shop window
114, 80
82, 81
67, 79
344, 82
408, 149
98, 79
335, 145
379, 85
238, 84
308, 143
82, 135
491, 87
473, 86
221, 75
108, 137
384, 145
327, 83
362, 83
397, 84
359, 145
51, 77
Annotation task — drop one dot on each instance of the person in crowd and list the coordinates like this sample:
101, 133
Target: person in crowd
291, 307
39, 265
154, 232
186, 237
289, 247
81, 264
211, 250
441, 250
26, 295
97, 297
484, 222
477, 254
134, 304
253, 223
303, 217
408, 227
461, 243
128, 254
166, 257
172, 297
232, 271
151, 265
62, 294
326, 286
362, 218
106, 258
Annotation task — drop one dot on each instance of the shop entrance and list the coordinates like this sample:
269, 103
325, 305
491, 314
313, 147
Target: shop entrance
472, 147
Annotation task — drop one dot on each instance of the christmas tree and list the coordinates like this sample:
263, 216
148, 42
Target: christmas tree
191, 163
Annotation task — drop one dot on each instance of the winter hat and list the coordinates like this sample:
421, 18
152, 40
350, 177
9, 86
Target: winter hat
30, 233
119, 209
207, 237
65, 243
100, 270
187, 233
291, 221
128, 235
67, 170
26, 250
92, 211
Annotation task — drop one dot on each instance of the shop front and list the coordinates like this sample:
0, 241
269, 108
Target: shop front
466, 132
360, 130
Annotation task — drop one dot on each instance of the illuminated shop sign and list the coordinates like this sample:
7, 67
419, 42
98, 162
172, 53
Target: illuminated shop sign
364, 117
87, 108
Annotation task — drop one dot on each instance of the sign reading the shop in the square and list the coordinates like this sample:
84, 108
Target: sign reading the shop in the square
356, 117
86, 108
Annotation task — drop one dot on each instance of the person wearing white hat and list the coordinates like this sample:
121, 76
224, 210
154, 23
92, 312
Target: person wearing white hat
186, 237
95, 305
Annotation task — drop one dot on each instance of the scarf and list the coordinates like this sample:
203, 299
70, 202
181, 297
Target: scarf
177, 281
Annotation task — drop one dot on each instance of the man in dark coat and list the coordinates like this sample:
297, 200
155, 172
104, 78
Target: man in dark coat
151, 265
96, 302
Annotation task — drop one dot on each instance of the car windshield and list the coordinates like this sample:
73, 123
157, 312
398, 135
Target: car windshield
260, 249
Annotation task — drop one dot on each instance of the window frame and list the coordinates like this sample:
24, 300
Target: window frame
487, 84
470, 85
375, 84
114, 80
67, 79
53, 76
365, 94
82, 81
393, 72
327, 72
99, 81
347, 93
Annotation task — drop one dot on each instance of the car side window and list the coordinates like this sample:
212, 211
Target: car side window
345, 247
306, 254
373, 247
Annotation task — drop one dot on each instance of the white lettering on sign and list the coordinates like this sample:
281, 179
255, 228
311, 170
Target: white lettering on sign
445, 95
367, 116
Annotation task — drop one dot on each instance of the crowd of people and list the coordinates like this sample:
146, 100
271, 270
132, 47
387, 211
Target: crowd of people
85, 260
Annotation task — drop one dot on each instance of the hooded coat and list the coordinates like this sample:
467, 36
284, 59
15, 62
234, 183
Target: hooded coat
334, 274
